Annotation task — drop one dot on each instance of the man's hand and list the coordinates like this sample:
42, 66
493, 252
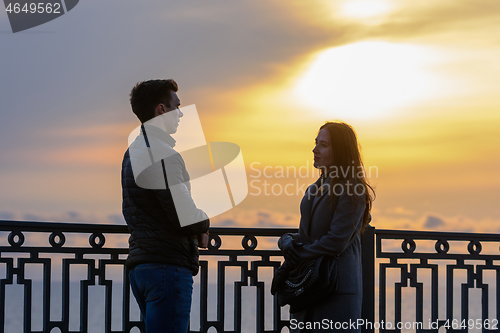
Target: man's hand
203, 240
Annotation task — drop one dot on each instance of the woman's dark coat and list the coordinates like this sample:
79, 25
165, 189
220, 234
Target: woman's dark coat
334, 230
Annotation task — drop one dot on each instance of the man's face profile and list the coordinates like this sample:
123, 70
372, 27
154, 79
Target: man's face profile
168, 116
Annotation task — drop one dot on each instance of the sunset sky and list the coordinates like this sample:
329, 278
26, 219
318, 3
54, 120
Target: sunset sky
418, 80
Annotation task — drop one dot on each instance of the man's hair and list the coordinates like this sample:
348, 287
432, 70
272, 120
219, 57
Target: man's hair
146, 95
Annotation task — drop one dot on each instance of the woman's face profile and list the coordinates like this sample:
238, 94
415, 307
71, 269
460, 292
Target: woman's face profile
323, 155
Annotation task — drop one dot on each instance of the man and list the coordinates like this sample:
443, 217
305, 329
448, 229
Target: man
163, 254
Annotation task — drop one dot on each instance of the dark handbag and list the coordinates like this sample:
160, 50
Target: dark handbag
307, 284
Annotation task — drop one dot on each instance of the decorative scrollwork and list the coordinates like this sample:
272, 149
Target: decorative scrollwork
52, 239
246, 240
474, 247
217, 242
12, 238
93, 237
442, 246
408, 245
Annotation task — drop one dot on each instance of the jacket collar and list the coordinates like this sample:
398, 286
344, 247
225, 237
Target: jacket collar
151, 131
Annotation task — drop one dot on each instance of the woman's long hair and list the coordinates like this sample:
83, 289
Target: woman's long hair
347, 163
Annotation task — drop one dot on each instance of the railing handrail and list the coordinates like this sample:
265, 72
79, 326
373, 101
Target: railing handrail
9, 225
417, 234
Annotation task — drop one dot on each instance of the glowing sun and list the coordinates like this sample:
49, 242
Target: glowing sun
367, 79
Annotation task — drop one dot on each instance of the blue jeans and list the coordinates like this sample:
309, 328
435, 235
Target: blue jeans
164, 294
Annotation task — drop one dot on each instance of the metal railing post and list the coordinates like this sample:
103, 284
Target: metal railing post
368, 262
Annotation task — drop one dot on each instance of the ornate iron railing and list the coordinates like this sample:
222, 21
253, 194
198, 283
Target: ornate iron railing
445, 252
40, 253
250, 251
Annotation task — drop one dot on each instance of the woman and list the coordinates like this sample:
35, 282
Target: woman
334, 212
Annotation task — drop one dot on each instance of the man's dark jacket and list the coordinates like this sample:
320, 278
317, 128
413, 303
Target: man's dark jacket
156, 235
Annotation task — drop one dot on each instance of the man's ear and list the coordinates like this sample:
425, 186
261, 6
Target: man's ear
160, 109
